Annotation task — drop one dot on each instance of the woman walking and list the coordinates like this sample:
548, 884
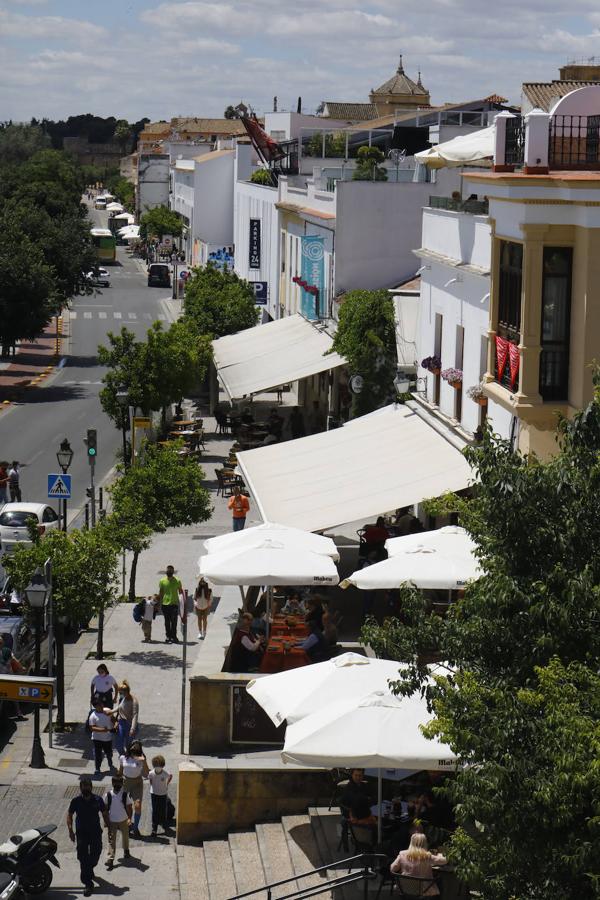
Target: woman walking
202, 605
127, 711
134, 768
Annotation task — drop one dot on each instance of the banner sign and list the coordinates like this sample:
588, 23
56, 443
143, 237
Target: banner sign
514, 359
501, 355
261, 292
313, 276
254, 246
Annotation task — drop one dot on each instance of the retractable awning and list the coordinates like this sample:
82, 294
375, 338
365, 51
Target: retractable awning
379, 462
269, 355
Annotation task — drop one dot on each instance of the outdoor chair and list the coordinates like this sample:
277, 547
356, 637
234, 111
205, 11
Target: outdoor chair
363, 837
223, 425
226, 481
411, 886
340, 781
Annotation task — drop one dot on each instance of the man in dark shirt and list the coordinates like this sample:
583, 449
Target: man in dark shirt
87, 809
356, 791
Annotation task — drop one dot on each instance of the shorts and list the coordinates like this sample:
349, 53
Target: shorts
134, 787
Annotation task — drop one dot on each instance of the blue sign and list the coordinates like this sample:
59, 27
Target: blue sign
261, 292
313, 273
59, 487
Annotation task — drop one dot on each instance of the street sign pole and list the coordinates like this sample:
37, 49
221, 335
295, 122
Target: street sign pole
93, 490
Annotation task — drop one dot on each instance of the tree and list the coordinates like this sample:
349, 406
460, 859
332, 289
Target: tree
368, 165
125, 358
520, 704
160, 221
129, 535
219, 302
20, 142
161, 491
123, 190
84, 573
123, 134
230, 112
366, 336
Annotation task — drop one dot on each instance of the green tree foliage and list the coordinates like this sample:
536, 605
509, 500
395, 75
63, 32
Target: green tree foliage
123, 190
230, 112
19, 142
131, 535
160, 221
521, 703
335, 145
159, 492
366, 336
123, 134
262, 176
219, 302
84, 572
368, 165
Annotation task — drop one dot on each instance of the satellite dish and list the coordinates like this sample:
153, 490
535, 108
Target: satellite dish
397, 156
356, 384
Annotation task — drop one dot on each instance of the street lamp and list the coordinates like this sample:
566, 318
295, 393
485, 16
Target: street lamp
122, 398
37, 593
64, 457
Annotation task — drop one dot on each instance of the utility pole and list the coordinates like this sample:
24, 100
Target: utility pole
91, 443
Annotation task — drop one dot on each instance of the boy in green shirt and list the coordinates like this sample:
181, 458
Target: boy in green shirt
169, 592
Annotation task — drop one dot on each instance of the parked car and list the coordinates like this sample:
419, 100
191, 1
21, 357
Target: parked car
159, 274
98, 277
18, 635
13, 522
100, 203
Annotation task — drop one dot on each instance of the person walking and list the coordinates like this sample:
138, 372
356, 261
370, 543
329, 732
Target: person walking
103, 686
120, 810
14, 485
169, 592
87, 810
133, 768
127, 712
3, 482
159, 780
239, 506
202, 605
150, 605
101, 726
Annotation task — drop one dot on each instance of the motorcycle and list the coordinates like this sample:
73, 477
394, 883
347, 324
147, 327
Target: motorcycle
9, 887
27, 855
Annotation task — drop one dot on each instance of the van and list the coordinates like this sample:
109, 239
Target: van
159, 274
100, 203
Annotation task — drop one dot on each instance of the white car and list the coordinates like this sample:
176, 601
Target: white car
99, 277
13, 522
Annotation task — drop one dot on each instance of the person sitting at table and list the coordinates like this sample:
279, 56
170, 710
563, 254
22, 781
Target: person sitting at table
246, 650
374, 538
360, 813
314, 611
418, 862
357, 787
294, 605
247, 417
275, 423
315, 644
329, 630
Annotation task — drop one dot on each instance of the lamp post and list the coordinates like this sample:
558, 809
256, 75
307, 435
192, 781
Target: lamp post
37, 594
122, 398
64, 457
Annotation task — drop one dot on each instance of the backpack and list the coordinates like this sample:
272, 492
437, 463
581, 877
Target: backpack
124, 798
138, 611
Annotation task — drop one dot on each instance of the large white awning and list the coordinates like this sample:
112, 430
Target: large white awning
269, 355
379, 462
473, 149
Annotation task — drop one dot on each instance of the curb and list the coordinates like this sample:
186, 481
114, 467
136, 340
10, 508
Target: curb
58, 363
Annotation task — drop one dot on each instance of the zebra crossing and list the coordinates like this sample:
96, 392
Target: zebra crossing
131, 317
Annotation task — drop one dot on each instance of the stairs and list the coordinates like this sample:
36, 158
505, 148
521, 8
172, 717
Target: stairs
272, 852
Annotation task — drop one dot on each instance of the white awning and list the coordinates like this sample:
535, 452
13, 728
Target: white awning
476, 149
269, 355
378, 462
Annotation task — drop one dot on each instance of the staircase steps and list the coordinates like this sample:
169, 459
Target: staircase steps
246, 861
304, 851
276, 860
219, 870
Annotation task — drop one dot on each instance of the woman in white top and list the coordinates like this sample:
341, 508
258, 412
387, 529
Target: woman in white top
104, 686
417, 862
134, 768
202, 604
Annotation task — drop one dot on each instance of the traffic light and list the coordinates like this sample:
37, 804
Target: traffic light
91, 443
89, 493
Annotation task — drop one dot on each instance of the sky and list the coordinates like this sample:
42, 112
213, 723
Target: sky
135, 58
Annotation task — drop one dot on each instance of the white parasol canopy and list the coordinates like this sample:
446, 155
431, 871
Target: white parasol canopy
115, 207
297, 693
291, 538
437, 560
476, 149
129, 229
378, 731
269, 563
125, 217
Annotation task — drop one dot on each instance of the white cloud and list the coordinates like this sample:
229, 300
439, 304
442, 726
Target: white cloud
16, 25
206, 45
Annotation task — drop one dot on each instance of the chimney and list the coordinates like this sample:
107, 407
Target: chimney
299, 107
275, 104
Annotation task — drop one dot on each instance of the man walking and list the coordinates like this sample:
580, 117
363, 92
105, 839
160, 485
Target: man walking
169, 592
14, 486
101, 727
120, 812
239, 506
87, 809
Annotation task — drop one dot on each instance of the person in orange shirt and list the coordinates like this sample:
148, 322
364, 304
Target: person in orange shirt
239, 506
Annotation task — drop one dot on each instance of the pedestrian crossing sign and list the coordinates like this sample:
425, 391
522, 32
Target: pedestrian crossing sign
59, 486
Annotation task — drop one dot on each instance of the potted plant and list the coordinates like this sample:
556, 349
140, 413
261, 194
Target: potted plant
454, 377
433, 364
476, 393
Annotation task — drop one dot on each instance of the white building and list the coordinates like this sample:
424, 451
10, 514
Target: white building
152, 181
202, 194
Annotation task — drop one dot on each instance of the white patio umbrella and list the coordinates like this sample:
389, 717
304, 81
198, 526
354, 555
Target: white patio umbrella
475, 148
128, 230
269, 563
297, 693
378, 731
291, 538
115, 207
439, 560
125, 217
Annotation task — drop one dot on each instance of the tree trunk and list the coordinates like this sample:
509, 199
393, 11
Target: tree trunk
132, 574
100, 644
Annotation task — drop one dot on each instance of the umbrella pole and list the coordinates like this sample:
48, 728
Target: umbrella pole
379, 801
269, 605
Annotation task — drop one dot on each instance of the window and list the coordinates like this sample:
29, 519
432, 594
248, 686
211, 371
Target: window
510, 279
556, 320
49, 515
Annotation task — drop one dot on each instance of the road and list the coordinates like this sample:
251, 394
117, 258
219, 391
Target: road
68, 405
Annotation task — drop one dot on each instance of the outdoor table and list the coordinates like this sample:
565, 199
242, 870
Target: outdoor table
277, 659
182, 423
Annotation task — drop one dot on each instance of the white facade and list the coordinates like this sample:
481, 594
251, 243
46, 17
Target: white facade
257, 201
202, 194
153, 181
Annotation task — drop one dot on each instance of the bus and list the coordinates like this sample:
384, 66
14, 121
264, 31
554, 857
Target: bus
105, 245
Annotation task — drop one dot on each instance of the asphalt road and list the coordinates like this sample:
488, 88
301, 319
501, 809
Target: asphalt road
68, 404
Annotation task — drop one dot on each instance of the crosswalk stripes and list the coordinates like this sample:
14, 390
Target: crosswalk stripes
101, 315
131, 316
87, 315
116, 315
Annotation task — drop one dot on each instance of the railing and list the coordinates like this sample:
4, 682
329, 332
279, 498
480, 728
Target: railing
574, 142
475, 207
514, 148
368, 863
554, 373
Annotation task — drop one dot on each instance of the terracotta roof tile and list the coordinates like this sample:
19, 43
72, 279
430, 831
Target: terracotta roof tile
357, 112
544, 94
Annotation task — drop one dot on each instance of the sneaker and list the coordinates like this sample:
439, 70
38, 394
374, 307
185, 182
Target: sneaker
88, 890
109, 864
97, 773
153, 833
175, 640
200, 636
126, 854
167, 640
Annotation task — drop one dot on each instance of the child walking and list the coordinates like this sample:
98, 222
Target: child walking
202, 605
159, 780
148, 617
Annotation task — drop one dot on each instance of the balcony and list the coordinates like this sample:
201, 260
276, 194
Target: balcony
572, 142
475, 207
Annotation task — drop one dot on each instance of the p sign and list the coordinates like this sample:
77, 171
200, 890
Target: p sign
261, 292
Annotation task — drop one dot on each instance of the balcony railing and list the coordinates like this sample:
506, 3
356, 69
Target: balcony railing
475, 207
514, 152
574, 142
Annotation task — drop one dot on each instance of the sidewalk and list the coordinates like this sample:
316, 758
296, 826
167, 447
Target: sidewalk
32, 363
